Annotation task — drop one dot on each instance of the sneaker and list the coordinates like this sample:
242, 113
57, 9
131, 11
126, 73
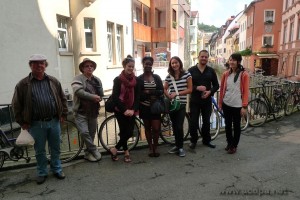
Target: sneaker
181, 152
192, 145
97, 155
88, 156
173, 150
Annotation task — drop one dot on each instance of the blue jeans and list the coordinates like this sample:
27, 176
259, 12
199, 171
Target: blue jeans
43, 131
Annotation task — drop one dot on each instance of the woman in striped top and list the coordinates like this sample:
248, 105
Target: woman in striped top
184, 85
151, 88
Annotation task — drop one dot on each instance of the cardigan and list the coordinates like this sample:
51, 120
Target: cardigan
244, 87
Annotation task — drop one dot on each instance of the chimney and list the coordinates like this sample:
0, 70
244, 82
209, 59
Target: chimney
245, 6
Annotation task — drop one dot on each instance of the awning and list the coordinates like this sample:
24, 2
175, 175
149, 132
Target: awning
267, 55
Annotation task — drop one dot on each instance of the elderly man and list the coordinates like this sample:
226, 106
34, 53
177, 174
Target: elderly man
39, 105
88, 93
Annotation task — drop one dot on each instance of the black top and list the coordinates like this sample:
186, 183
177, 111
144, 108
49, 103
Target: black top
117, 91
155, 93
208, 79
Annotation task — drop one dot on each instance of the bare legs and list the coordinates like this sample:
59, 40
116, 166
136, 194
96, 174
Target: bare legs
152, 128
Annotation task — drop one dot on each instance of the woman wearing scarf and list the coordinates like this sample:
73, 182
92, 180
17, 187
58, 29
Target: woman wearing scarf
233, 100
125, 94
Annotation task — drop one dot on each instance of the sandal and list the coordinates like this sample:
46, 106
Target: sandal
127, 159
114, 157
151, 154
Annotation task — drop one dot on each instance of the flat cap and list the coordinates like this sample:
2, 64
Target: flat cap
37, 57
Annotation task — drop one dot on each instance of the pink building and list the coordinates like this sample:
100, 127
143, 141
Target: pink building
262, 36
289, 45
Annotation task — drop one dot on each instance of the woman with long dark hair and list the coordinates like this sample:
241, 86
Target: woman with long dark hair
234, 92
126, 97
183, 81
151, 89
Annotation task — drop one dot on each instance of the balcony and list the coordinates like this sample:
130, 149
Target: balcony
142, 32
159, 35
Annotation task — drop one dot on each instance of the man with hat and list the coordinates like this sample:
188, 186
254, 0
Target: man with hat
88, 93
39, 105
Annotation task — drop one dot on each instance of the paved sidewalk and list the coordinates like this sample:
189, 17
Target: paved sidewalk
266, 166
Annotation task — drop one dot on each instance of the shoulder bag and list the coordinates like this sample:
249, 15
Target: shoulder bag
175, 103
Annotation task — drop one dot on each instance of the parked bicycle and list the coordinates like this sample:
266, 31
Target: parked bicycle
71, 142
293, 99
264, 106
217, 120
109, 131
10, 151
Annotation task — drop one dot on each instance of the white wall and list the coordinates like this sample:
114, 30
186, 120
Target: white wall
29, 27
115, 11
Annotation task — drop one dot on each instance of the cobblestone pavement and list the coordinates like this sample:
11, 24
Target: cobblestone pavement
266, 166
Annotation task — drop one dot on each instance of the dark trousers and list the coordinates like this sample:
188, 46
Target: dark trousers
232, 115
177, 119
205, 110
126, 125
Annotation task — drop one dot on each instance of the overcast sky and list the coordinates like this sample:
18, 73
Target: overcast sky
216, 12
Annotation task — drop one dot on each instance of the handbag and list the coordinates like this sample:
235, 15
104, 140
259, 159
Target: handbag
109, 104
159, 106
175, 103
24, 139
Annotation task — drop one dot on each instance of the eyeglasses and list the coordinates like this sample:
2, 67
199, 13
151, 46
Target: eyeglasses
89, 66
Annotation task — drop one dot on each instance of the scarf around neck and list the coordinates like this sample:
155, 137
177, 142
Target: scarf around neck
128, 82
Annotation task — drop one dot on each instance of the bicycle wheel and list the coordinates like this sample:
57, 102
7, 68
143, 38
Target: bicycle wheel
167, 134
258, 112
109, 134
186, 126
2, 159
245, 121
71, 143
279, 107
289, 107
214, 124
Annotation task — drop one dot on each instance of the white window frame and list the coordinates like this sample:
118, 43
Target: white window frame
89, 30
297, 66
269, 18
110, 41
62, 30
284, 39
272, 40
292, 26
119, 43
298, 29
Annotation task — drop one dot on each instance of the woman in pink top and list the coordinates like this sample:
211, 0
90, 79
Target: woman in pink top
234, 91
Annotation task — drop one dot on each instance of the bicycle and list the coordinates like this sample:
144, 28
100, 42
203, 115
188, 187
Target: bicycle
217, 119
10, 151
71, 143
261, 107
108, 133
293, 99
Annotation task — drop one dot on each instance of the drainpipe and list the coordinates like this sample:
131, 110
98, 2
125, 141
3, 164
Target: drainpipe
253, 32
132, 29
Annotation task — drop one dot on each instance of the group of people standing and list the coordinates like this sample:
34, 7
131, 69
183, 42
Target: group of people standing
40, 105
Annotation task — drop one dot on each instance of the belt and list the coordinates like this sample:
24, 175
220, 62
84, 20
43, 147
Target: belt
46, 119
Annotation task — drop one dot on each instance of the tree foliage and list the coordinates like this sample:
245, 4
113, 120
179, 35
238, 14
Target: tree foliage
207, 28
